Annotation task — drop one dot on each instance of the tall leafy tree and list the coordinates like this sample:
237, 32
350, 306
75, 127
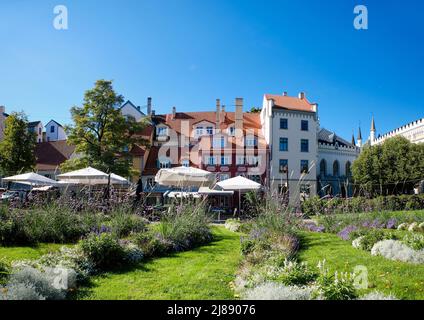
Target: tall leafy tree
393, 167
100, 132
17, 150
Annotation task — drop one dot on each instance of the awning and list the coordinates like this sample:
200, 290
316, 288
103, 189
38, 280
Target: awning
213, 192
239, 184
32, 178
91, 176
185, 177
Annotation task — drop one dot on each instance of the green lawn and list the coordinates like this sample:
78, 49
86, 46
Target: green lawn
203, 273
23, 253
404, 280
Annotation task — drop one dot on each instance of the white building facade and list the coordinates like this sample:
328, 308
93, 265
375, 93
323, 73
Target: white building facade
413, 131
55, 131
290, 126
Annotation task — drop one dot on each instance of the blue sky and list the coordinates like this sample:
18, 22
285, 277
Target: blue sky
187, 53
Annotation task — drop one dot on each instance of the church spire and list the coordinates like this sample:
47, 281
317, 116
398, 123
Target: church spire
353, 139
372, 124
359, 134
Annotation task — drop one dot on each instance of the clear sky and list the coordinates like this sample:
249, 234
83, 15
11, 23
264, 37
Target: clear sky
187, 53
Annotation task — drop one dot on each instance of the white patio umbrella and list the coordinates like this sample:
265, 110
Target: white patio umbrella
32, 178
185, 177
90, 176
240, 184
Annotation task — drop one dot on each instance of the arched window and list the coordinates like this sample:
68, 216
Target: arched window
336, 169
348, 170
323, 167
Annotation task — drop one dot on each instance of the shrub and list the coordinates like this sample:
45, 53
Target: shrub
247, 246
414, 227
152, 245
186, 226
104, 251
294, 273
414, 241
4, 270
48, 283
369, 237
20, 291
396, 250
274, 291
123, 224
339, 287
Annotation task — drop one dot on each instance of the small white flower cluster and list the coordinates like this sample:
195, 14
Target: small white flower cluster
357, 243
376, 295
396, 250
275, 291
412, 227
233, 225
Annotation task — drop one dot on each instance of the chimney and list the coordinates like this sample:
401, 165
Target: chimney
149, 106
239, 117
174, 113
285, 94
315, 107
218, 115
302, 95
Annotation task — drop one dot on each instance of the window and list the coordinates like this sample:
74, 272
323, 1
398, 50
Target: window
225, 161
241, 160
164, 163
219, 142
336, 168
348, 169
209, 130
39, 131
284, 124
253, 160
223, 176
284, 144
210, 161
284, 163
304, 125
186, 163
304, 166
199, 131
251, 141
232, 131
52, 129
161, 131
150, 182
323, 168
256, 178
304, 145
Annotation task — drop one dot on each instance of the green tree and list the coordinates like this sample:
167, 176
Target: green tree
17, 150
102, 135
392, 167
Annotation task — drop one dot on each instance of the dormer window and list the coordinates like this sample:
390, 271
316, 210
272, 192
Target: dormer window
209, 130
164, 163
232, 131
199, 131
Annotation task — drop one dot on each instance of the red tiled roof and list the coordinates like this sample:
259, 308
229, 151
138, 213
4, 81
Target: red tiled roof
51, 155
291, 103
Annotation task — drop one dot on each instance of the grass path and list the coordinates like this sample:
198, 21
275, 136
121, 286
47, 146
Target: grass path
30, 253
203, 273
404, 280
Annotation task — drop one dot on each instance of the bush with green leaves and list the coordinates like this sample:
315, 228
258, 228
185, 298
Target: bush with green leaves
296, 273
414, 241
122, 223
369, 237
104, 251
185, 226
4, 270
